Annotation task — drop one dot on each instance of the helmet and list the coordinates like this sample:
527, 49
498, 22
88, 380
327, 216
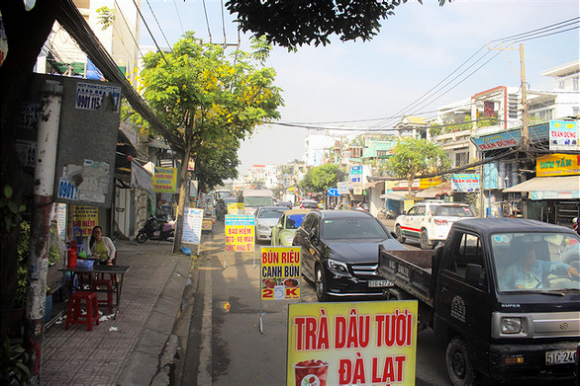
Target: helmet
575, 220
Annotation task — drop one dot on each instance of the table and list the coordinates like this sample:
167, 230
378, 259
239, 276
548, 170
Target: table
117, 287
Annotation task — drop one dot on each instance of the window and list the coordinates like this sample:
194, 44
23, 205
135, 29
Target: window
420, 211
467, 255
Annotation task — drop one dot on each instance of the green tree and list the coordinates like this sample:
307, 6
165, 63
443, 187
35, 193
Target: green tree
313, 21
415, 157
205, 100
320, 178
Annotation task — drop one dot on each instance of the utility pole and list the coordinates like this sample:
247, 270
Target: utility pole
522, 74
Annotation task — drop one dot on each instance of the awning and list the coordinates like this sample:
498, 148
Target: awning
397, 196
549, 188
439, 190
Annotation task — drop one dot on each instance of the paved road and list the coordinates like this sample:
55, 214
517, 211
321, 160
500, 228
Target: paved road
225, 346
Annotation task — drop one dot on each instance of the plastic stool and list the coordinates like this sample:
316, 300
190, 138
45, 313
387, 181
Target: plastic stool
108, 284
75, 317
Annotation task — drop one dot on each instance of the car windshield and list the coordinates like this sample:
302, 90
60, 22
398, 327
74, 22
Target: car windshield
258, 201
271, 213
352, 228
536, 261
456, 211
293, 221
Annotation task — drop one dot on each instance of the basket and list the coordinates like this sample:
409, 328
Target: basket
85, 264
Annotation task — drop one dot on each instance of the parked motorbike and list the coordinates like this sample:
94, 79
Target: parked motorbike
156, 229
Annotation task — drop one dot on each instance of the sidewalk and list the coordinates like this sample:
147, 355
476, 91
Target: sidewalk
128, 350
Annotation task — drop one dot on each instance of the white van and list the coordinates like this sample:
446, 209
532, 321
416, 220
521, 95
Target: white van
255, 198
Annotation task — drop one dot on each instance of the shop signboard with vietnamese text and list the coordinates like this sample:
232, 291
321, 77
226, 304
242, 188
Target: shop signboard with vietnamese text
85, 217
240, 235
165, 180
192, 221
236, 208
564, 135
465, 182
364, 343
280, 273
558, 165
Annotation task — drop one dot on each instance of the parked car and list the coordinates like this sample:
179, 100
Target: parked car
221, 208
287, 204
429, 222
266, 218
309, 204
285, 229
340, 252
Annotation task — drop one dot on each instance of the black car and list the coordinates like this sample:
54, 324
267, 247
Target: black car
340, 252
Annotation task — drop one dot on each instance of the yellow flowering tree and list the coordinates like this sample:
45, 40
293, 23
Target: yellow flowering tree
209, 103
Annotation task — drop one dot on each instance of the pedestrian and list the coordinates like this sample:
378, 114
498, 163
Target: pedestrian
101, 247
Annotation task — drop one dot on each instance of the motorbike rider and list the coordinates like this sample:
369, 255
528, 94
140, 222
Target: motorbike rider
576, 227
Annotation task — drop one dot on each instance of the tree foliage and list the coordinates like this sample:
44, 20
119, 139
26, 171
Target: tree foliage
415, 157
320, 178
292, 23
209, 104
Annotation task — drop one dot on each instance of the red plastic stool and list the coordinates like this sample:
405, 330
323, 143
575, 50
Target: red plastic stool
75, 317
108, 284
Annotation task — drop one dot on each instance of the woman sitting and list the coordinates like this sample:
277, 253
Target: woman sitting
101, 247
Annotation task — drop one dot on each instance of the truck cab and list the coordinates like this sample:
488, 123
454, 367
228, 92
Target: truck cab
506, 298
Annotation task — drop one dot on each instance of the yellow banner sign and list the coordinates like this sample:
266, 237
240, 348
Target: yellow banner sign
239, 231
236, 208
366, 343
280, 273
425, 183
558, 165
165, 180
85, 217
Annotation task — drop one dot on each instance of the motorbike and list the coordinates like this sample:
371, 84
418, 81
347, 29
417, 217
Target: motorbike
156, 229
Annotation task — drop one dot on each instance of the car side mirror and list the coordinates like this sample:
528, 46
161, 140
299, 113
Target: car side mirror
393, 234
404, 212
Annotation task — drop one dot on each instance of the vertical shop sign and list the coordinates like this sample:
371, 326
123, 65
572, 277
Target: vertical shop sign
366, 343
239, 233
280, 273
192, 222
165, 180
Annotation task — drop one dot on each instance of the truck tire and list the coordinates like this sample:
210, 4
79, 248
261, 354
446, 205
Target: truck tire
424, 239
320, 285
399, 234
459, 366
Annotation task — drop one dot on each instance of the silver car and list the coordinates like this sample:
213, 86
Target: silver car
266, 218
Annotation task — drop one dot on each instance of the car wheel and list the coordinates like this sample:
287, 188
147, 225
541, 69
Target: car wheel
424, 240
399, 234
320, 285
459, 366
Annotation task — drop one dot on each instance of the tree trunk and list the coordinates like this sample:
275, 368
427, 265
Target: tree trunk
26, 33
183, 181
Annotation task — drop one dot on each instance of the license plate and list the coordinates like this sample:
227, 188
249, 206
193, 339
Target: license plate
559, 357
380, 283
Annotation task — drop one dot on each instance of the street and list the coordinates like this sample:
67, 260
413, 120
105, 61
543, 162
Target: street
225, 345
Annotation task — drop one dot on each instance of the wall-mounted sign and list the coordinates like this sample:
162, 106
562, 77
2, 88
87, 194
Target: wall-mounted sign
564, 135
558, 165
465, 182
165, 180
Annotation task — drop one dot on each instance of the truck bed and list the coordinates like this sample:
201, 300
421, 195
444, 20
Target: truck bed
409, 270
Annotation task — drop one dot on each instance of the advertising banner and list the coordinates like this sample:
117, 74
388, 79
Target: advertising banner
564, 135
342, 187
558, 165
366, 343
165, 180
192, 220
465, 182
236, 208
85, 217
240, 234
426, 183
280, 273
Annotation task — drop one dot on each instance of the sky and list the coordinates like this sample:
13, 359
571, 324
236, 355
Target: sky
425, 56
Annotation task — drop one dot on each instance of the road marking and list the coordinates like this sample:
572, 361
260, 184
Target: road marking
205, 362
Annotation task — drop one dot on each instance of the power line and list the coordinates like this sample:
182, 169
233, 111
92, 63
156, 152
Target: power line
159, 25
128, 28
207, 22
178, 17
150, 33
